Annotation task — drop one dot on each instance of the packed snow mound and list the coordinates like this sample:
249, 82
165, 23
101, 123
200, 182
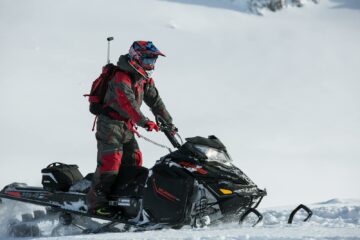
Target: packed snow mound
332, 213
334, 219
333, 201
341, 201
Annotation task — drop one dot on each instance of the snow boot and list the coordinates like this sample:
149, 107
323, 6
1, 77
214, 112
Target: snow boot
98, 203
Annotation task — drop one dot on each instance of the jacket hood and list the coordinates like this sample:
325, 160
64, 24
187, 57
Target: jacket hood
123, 64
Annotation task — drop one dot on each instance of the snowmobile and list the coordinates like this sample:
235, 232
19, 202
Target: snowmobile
196, 185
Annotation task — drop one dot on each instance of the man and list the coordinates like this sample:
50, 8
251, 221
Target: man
116, 142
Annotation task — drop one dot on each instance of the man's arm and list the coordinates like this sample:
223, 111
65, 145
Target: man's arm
154, 101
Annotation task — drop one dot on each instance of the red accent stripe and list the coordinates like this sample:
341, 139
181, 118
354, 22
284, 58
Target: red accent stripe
151, 81
110, 162
122, 77
164, 193
186, 164
123, 100
198, 169
139, 89
201, 171
14, 194
138, 158
125, 104
94, 99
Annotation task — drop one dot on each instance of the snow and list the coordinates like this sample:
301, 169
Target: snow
281, 91
339, 219
76, 206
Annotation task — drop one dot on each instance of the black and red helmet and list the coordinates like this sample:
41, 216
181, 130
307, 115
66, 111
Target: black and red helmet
145, 54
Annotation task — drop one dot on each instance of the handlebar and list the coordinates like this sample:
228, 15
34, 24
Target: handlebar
165, 128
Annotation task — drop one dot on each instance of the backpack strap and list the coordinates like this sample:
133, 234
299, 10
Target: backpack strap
94, 124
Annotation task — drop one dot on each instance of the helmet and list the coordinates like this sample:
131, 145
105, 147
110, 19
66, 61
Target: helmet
144, 54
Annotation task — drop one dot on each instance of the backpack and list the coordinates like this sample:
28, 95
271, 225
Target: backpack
60, 177
99, 88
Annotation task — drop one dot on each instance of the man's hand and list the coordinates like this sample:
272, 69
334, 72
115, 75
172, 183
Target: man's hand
172, 129
150, 125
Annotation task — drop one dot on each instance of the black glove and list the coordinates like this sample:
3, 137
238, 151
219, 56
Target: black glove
172, 129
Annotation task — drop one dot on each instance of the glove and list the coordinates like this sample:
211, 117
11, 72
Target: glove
172, 129
150, 125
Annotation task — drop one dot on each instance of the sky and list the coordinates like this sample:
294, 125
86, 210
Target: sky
281, 90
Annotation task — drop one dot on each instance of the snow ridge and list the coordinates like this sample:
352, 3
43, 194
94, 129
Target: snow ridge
249, 6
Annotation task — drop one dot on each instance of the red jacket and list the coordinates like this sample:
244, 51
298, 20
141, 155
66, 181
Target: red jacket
126, 92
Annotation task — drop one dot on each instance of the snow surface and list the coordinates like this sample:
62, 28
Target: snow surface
281, 91
334, 219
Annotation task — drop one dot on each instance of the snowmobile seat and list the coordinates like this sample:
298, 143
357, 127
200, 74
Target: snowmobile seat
82, 186
130, 182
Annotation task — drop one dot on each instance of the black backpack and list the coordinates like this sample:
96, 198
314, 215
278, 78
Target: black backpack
99, 88
60, 177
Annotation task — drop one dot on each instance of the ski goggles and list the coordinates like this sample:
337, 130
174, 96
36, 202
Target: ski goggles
148, 60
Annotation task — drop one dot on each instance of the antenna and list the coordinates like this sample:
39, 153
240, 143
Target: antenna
108, 50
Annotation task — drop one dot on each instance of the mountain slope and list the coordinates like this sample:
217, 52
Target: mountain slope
281, 91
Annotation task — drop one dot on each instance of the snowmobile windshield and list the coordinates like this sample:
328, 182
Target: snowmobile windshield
215, 155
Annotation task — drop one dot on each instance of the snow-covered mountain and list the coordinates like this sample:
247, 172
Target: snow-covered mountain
281, 90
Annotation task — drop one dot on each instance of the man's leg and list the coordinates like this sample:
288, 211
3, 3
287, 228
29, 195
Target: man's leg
109, 158
132, 154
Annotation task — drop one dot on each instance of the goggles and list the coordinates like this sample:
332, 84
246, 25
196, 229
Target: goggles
149, 60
